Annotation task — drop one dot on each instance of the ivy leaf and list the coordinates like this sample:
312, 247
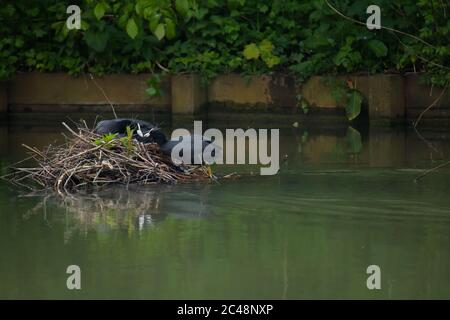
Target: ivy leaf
19, 42
271, 60
353, 107
170, 28
138, 8
266, 47
378, 47
33, 12
84, 25
160, 31
96, 41
99, 10
132, 28
154, 21
251, 51
263, 8
182, 7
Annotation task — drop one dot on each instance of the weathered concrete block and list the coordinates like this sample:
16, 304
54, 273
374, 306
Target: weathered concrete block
235, 88
188, 94
60, 89
3, 98
318, 93
256, 93
386, 97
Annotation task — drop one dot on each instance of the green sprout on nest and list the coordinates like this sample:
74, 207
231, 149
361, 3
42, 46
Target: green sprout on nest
127, 140
105, 140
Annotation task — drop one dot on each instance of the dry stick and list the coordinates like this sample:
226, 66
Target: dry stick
78, 154
162, 67
75, 134
431, 170
72, 173
5, 176
104, 94
415, 125
429, 107
33, 150
429, 144
71, 131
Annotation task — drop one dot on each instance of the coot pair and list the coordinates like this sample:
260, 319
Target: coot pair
148, 133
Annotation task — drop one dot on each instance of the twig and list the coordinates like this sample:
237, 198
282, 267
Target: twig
104, 94
33, 150
162, 67
430, 106
431, 170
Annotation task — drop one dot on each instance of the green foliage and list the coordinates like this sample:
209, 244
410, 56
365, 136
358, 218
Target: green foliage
264, 51
132, 28
154, 86
210, 37
99, 10
344, 93
127, 141
302, 103
105, 140
378, 47
353, 106
251, 51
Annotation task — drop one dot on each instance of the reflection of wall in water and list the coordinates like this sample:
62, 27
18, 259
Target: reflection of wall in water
119, 208
382, 148
387, 148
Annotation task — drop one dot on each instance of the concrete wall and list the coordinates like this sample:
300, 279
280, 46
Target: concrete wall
388, 97
43, 91
384, 95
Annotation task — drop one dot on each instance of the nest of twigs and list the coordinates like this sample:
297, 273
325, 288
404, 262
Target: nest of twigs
85, 160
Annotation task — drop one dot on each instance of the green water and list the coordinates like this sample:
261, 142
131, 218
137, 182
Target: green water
336, 207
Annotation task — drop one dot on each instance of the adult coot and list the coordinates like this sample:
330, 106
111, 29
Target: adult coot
141, 128
196, 156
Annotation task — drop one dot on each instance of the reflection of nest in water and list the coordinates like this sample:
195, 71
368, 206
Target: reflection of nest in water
88, 159
116, 208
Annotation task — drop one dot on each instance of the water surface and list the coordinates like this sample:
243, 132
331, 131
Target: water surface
342, 201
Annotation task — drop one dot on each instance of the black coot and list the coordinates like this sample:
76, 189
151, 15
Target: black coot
141, 128
166, 146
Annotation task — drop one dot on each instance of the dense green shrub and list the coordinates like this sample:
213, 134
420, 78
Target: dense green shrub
301, 37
